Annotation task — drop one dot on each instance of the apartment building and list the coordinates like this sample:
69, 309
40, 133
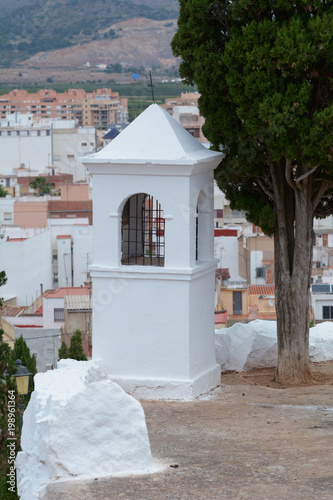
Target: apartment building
47, 146
97, 108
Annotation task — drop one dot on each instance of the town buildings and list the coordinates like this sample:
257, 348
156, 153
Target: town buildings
97, 108
31, 147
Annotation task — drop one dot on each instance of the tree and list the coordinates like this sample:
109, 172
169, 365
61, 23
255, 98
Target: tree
41, 186
21, 351
76, 350
63, 351
3, 192
265, 73
3, 280
9, 417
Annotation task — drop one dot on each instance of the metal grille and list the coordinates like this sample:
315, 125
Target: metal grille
59, 314
143, 228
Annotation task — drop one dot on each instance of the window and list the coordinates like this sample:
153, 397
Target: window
7, 216
261, 272
327, 312
7, 182
142, 231
59, 314
218, 214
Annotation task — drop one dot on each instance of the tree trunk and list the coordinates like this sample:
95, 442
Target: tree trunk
293, 263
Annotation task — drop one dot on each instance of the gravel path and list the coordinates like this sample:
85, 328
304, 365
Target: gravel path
243, 442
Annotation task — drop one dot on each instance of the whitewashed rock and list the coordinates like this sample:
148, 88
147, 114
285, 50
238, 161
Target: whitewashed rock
254, 345
79, 423
245, 346
321, 342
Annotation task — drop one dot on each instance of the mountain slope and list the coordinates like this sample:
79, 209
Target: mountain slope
143, 42
32, 26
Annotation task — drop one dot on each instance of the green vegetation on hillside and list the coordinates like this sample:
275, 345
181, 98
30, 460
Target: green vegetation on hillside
54, 24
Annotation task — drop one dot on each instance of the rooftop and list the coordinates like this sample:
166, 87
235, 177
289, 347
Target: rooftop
153, 137
64, 291
261, 290
78, 302
13, 311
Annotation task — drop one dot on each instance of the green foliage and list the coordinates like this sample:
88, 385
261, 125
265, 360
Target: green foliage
3, 280
41, 186
76, 350
264, 71
63, 351
21, 351
9, 419
8, 390
3, 192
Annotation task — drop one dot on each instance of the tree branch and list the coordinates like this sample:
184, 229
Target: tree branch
319, 194
306, 175
269, 193
288, 175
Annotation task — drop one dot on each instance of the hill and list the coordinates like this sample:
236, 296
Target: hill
86, 29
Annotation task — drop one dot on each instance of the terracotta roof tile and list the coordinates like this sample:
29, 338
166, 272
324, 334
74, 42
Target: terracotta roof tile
64, 291
8, 310
261, 290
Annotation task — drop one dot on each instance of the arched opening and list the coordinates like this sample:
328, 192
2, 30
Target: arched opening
142, 231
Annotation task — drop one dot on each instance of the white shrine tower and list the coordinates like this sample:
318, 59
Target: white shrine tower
153, 267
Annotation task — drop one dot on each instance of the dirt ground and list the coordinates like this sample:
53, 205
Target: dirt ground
249, 439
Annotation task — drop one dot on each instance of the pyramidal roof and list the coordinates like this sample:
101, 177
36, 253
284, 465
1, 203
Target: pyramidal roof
153, 137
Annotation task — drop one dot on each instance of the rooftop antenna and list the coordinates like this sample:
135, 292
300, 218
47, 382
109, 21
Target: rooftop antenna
151, 86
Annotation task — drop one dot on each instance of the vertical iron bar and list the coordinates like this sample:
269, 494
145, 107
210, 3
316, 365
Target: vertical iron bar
136, 228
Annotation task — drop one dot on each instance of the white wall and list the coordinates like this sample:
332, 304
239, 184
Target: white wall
25, 320
82, 241
44, 343
226, 250
256, 257
319, 300
322, 224
33, 151
64, 247
63, 226
68, 147
7, 207
27, 264
48, 311
82, 253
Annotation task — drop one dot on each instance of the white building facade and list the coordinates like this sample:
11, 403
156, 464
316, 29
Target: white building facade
45, 146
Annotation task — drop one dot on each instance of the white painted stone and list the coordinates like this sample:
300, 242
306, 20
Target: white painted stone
79, 423
153, 327
254, 345
321, 342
